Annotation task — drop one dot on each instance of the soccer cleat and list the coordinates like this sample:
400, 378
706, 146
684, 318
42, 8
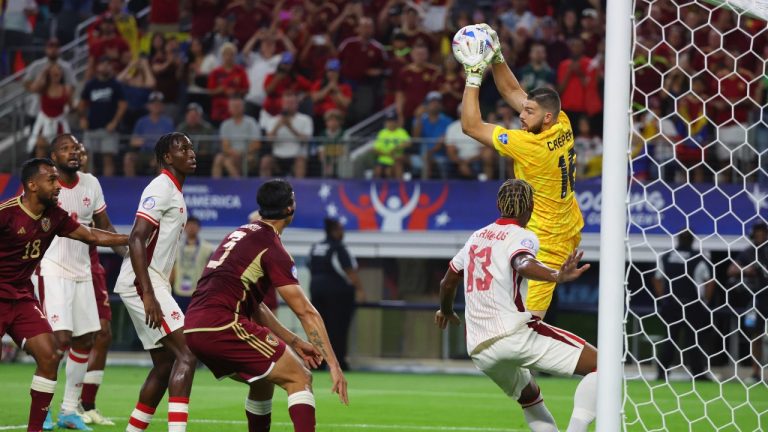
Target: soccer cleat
48, 423
72, 421
95, 417
81, 412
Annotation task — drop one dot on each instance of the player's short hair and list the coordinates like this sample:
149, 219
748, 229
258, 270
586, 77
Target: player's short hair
163, 145
31, 168
61, 139
274, 197
194, 220
330, 224
547, 98
515, 198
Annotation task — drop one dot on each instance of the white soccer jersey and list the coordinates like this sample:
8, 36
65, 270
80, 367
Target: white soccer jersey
162, 204
67, 258
494, 294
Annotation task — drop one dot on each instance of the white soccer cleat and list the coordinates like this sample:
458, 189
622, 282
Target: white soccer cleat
81, 413
96, 418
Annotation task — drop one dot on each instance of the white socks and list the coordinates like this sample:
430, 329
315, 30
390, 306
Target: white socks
538, 417
77, 365
302, 397
584, 404
260, 408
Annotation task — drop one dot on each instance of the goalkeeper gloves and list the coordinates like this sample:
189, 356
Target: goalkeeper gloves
475, 74
498, 57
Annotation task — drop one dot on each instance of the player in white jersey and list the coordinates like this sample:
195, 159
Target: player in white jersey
65, 285
144, 286
504, 340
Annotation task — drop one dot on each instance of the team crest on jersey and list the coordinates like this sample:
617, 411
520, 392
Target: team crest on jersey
148, 203
527, 243
271, 340
86, 201
503, 138
45, 224
175, 315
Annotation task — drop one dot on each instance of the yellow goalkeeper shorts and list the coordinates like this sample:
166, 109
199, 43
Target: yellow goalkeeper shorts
552, 253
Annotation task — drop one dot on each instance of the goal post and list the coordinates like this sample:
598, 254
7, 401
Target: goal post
614, 215
683, 290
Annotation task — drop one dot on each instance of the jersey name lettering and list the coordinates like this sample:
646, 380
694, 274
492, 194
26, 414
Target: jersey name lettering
560, 140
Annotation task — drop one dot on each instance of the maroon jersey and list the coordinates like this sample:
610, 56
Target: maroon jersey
246, 265
24, 238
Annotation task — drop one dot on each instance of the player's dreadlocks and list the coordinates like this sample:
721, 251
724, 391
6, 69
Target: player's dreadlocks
515, 198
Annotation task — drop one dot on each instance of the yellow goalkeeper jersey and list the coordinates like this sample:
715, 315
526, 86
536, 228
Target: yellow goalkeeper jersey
547, 161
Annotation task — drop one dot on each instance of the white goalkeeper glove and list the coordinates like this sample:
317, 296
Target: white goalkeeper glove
498, 57
475, 74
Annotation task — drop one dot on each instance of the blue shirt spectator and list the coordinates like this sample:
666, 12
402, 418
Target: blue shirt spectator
429, 128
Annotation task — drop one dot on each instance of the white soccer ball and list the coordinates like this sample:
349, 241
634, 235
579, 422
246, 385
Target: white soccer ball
472, 45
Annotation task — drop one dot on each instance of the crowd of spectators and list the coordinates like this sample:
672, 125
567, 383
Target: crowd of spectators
342, 61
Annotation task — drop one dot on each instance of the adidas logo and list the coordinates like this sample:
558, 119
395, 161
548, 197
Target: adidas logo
21, 231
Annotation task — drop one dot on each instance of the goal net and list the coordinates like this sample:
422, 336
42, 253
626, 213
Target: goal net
697, 279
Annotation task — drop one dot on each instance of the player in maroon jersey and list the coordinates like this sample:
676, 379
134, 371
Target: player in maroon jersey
220, 332
28, 224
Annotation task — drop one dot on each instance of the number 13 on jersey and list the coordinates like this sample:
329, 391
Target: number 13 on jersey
481, 258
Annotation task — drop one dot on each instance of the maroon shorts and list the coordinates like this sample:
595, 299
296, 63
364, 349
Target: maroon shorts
22, 320
245, 349
102, 295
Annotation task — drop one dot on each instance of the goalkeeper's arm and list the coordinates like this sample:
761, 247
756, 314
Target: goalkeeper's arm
508, 86
472, 123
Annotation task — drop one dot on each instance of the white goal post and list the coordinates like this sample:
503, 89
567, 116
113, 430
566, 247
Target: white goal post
684, 183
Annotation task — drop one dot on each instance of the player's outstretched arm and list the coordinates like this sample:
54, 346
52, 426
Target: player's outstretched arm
448, 287
314, 327
137, 250
533, 269
102, 222
94, 236
506, 82
307, 351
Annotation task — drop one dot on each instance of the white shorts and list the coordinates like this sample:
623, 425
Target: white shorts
173, 317
535, 346
69, 305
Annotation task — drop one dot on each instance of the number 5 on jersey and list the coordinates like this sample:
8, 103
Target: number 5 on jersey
483, 259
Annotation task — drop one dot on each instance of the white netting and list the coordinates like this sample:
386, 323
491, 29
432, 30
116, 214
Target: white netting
695, 317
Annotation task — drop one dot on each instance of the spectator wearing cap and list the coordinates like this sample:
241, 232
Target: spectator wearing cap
138, 81
260, 63
203, 136
590, 31
289, 133
429, 127
102, 106
363, 64
537, 72
284, 79
389, 147
332, 148
107, 43
248, 15
471, 159
39, 66
226, 81
398, 56
328, 93
240, 142
415, 81
146, 132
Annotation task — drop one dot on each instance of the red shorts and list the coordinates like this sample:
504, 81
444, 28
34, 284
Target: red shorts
245, 349
102, 295
22, 320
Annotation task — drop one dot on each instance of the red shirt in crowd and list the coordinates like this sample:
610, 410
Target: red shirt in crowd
234, 81
573, 96
327, 103
247, 21
357, 56
273, 103
415, 82
203, 13
164, 12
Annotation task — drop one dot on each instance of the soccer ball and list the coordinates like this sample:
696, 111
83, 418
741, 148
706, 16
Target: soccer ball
472, 45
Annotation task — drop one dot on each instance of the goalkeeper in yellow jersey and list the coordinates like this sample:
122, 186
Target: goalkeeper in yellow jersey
544, 157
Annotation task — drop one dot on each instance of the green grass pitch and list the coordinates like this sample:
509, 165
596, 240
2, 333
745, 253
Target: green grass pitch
403, 402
